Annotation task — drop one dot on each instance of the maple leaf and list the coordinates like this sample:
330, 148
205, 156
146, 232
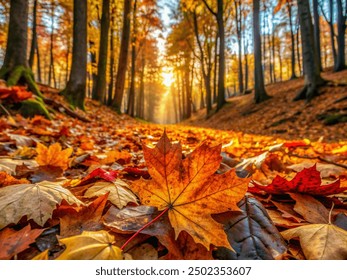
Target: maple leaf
119, 194
91, 245
53, 155
13, 242
320, 241
7, 180
86, 218
36, 201
190, 190
306, 181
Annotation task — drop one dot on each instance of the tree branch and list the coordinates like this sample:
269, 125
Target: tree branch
209, 8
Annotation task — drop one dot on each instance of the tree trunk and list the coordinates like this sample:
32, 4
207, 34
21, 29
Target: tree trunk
221, 62
15, 68
131, 100
51, 75
215, 69
332, 33
298, 49
141, 101
311, 68
103, 51
341, 34
111, 84
238, 22
75, 90
260, 94
317, 33
34, 37
289, 8
123, 58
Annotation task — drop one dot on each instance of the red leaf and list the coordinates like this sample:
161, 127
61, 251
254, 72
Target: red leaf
306, 181
109, 176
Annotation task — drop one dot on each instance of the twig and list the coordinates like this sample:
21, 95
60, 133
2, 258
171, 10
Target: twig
4, 109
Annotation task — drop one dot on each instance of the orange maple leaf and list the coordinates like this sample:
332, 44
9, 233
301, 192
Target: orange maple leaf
190, 190
53, 155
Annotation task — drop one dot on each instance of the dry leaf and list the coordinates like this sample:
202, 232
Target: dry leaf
36, 201
119, 194
320, 241
190, 189
90, 245
13, 242
53, 155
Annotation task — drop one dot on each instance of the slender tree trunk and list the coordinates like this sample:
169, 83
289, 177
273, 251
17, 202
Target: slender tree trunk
317, 33
93, 69
34, 37
103, 51
51, 75
221, 63
131, 100
311, 67
75, 91
238, 22
111, 84
298, 50
341, 35
141, 103
38, 64
215, 69
289, 9
259, 88
332, 32
273, 53
123, 57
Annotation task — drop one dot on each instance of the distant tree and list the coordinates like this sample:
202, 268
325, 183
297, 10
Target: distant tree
311, 67
103, 50
260, 94
317, 33
123, 57
341, 35
15, 68
75, 90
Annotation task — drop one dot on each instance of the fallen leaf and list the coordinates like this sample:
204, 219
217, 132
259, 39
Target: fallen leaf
36, 201
144, 252
307, 181
251, 233
53, 155
86, 218
43, 256
320, 241
13, 242
90, 245
7, 180
9, 165
311, 209
190, 190
119, 194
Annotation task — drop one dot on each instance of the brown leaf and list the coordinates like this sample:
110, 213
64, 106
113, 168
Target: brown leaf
13, 242
311, 209
87, 218
320, 241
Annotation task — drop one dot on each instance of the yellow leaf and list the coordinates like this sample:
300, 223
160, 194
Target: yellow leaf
53, 155
91, 245
320, 241
119, 194
42, 256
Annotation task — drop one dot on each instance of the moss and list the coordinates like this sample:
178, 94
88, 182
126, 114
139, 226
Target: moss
32, 107
29, 78
335, 119
15, 76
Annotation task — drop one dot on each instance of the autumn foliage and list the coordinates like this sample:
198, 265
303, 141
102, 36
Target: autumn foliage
134, 193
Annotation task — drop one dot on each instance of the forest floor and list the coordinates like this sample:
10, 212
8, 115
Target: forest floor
68, 183
280, 116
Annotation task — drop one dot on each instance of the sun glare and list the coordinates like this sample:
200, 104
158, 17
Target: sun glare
168, 77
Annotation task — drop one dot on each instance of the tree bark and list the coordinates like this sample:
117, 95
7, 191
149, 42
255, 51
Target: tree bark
34, 37
221, 62
317, 33
103, 51
260, 94
75, 90
311, 68
123, 58
289, 9
238, 22
341, 35
131, 100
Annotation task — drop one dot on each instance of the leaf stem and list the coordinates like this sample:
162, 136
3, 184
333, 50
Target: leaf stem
330, 213
143, 227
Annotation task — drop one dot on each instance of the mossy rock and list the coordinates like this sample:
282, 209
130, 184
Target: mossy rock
31, 107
